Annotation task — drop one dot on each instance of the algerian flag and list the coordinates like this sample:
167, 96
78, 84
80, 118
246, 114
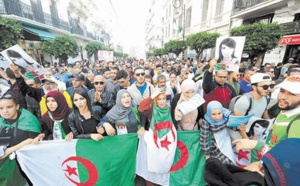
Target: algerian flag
10, 173
161, 141
188, 165
110, 161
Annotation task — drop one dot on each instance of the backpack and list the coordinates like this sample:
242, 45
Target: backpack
250, 97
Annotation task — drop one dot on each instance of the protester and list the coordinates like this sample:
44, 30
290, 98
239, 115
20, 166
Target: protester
217, 89
17, 128
100, 95
84, 118
161, 84
110, 83
190, 120
123, 118
77, 82
214, 139
245, 83
140, 89
55, 120
173, 83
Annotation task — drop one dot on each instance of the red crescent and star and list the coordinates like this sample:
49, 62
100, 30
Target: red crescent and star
90, 167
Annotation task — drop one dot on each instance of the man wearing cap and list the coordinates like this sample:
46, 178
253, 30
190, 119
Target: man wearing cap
77, 82
100, 95
286, 124
38, 94
261, 84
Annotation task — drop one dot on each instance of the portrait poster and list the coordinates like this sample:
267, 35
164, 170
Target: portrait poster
17, 56
229, 51
258, 128
105, 55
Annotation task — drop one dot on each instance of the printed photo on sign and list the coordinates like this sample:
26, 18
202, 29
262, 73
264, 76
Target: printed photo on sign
17, 56
229, 51
258, 128
105, 55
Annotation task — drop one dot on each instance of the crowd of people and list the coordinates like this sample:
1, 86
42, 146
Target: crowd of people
91, 100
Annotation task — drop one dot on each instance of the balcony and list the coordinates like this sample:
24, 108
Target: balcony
20, 9
240, 5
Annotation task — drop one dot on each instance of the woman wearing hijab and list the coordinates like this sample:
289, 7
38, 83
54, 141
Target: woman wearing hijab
55, 120
188, 121
85, 118
123, 118
214, 139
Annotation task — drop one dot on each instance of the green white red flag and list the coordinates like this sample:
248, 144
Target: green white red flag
81, 162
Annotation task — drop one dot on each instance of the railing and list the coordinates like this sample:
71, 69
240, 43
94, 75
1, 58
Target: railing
18, 8
239, 5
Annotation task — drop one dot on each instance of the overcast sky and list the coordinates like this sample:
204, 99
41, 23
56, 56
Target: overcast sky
132, 15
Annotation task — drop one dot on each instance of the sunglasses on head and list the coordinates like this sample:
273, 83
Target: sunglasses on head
266, 87
100, 82
140, 74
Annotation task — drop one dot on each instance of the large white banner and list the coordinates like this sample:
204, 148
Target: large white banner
17, 56
229, 51
105, 55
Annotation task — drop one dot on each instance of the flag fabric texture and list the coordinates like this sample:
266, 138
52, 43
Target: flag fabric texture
187, 167
110, 161
10, 173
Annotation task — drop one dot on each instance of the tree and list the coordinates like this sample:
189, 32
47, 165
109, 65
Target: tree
92, 47
158, 52
260, 38
175, 46
201, 41
11, 32
61, 47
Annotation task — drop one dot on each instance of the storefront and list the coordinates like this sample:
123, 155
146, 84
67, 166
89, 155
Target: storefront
291, 40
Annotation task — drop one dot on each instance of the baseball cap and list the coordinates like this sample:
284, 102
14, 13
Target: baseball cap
78, 76
291, 84
282, 168
259, 77
48, 79
291, 59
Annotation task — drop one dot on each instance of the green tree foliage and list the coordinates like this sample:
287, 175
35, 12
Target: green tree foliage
10, 32
120, 54
260, 37
175, 46
61, 47
158, 52
201, 41
92, 47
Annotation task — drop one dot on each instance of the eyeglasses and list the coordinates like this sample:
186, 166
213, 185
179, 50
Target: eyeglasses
100, 82
266, 87
223, 77
140, 74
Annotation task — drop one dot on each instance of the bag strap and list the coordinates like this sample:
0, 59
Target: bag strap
290, 124
249, 96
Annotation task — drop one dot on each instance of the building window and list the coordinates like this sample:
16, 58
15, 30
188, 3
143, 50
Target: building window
204, 10
188, 17
297, 17
262, 19
220, 7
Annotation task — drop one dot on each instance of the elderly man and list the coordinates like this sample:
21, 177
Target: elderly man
100, 95
217, 89
49, 84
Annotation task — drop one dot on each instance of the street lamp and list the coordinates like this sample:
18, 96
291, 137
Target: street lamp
177, 4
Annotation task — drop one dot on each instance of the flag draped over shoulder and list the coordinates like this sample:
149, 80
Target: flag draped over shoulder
187, 167
81, 162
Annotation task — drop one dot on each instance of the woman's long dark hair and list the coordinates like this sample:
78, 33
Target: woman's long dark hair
230, 43
263, 123
85, 95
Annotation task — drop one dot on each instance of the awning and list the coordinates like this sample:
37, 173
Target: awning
290, 40
43, 34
